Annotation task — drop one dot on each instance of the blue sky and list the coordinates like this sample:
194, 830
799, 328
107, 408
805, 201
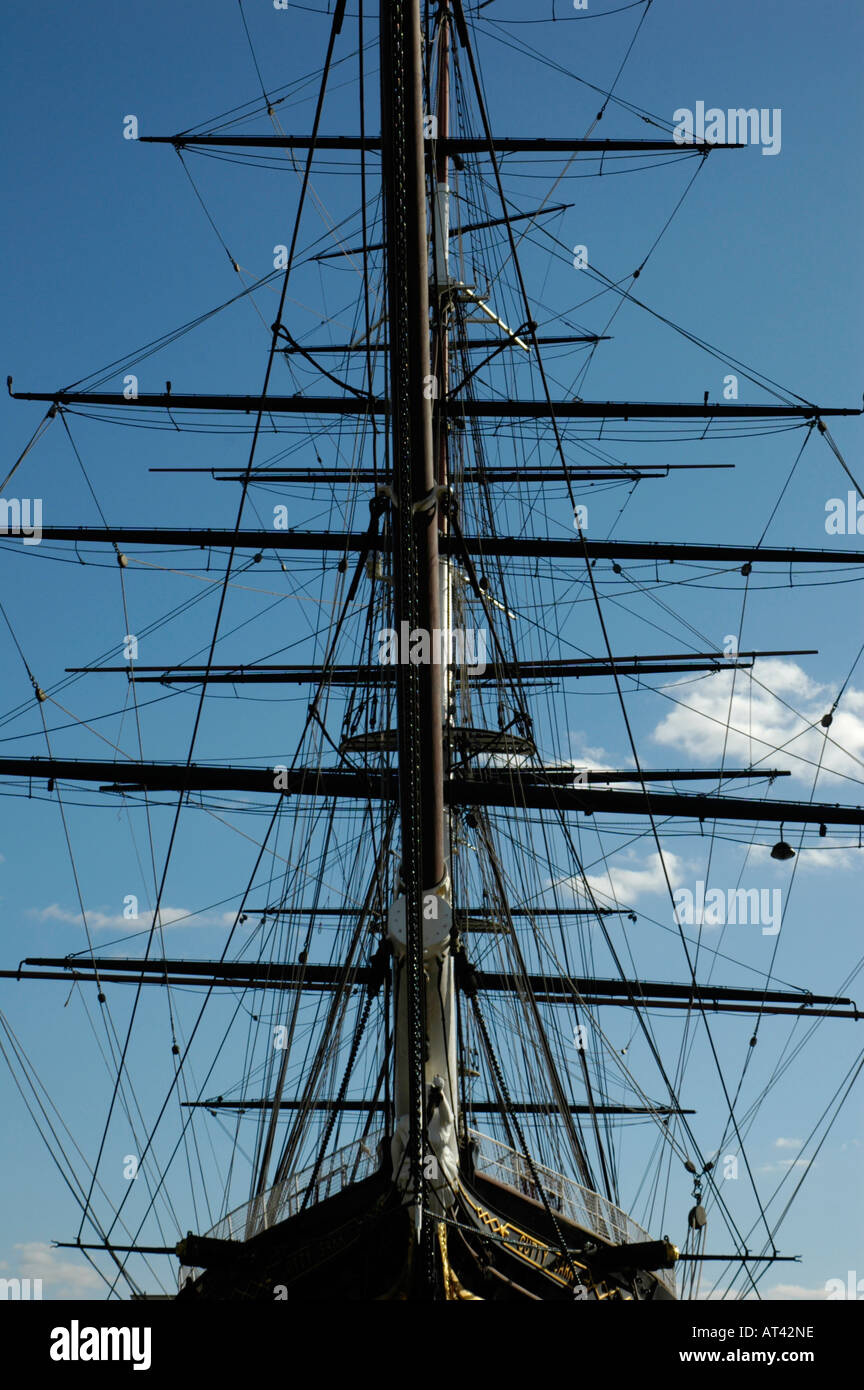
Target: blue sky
107, 247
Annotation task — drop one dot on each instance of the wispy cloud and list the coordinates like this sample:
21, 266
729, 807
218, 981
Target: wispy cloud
61, 1277
794, 1293
783, 1165
782, 1143
778, 1293
587, 755
115, 921
761, 720
629, 878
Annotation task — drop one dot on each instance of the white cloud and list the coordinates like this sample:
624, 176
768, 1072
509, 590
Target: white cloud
784, 1164
778, 1293
760, 721
787, 1143
115, 921
794, 1293
828, 858
62, 1278
627, 878
589, 756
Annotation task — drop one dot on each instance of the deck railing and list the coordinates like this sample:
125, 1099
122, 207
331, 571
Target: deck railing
355, 1161
576, 1203
359, 1159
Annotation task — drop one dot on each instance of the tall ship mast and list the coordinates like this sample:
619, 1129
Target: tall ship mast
406, 1051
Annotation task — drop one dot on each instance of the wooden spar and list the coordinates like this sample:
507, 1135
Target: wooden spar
532, 791
484, 476
507, 144
310, 675
537, 547
461, 230
553, 989
478, 1107
363, 404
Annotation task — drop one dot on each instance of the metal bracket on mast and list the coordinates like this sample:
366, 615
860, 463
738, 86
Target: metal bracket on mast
470, 296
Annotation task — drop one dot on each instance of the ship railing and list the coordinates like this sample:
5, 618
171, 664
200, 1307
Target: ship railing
359, 1159
578, 1204
353, 1162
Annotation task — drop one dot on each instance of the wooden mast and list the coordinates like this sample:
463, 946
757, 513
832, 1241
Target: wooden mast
414, 521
